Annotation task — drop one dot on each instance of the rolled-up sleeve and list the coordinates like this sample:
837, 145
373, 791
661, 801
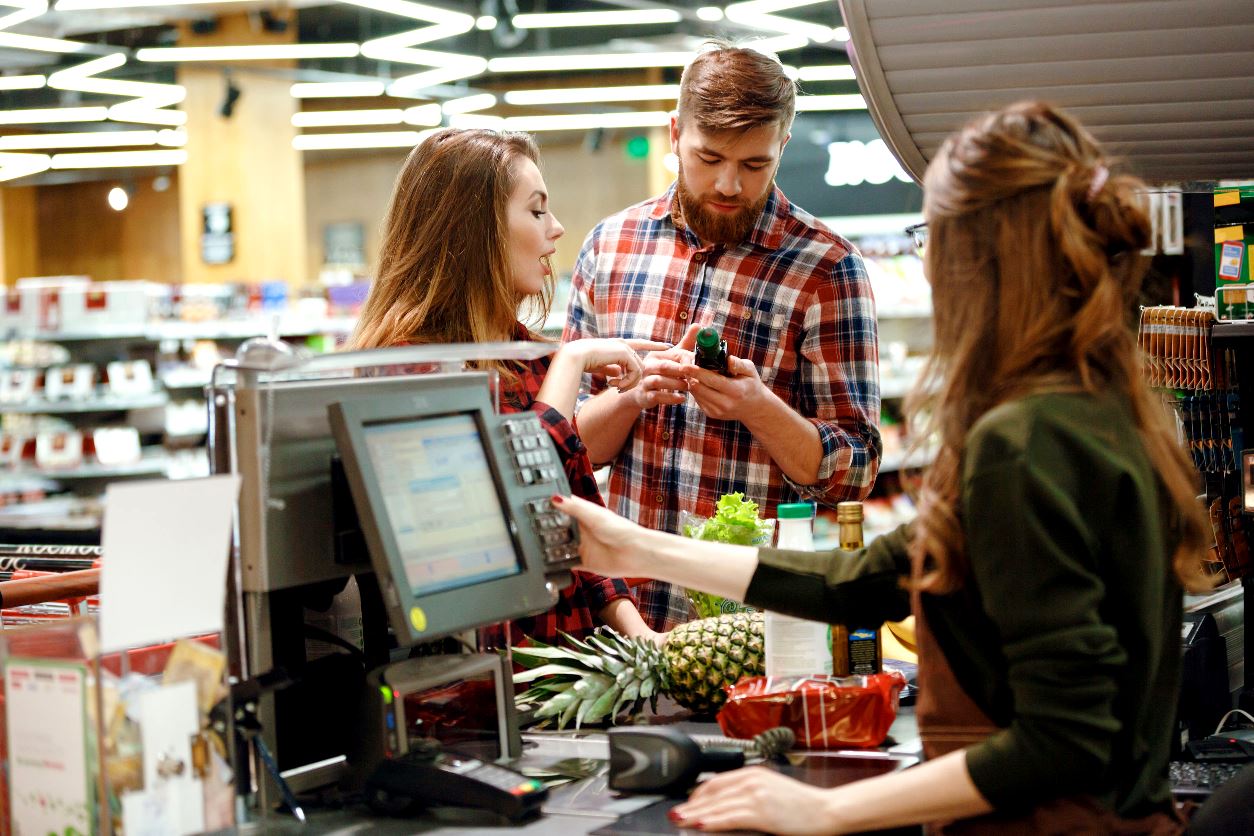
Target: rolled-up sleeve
840, 391
862, 589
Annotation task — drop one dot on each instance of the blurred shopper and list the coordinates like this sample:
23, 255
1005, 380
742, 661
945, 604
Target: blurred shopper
1055, 528
798, 417
466, 242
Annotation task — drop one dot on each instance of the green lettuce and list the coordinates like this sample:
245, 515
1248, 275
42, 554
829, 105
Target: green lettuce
735, 521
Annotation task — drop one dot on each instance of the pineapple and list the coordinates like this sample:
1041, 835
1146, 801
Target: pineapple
595, 678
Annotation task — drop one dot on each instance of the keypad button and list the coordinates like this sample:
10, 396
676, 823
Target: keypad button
526, 476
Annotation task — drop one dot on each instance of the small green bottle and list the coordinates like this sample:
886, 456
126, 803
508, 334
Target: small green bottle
711, 352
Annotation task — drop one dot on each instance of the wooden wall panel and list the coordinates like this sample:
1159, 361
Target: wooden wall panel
79, 234
245, 159
19, 233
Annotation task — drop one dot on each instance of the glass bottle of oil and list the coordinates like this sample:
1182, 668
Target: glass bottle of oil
855, 651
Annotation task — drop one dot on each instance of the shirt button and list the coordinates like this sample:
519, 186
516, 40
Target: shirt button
699, 257
666, 436
660, 499
683, 314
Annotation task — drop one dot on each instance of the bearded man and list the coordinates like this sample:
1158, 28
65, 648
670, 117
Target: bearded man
797, 418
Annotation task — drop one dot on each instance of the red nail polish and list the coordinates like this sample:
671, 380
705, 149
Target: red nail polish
557, 500
698, 825
674, 816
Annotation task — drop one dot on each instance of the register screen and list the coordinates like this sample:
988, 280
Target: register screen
442, 505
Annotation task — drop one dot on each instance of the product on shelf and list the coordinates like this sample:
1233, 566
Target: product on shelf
76, 382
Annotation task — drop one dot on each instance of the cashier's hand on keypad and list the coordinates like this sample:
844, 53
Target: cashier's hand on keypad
618, 360
607, 542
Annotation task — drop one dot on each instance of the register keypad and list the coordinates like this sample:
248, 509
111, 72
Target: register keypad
534, 463
555, 530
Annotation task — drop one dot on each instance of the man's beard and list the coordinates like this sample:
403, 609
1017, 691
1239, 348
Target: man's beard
717, 227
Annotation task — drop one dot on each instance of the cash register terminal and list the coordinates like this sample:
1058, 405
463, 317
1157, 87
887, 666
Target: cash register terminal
438, 508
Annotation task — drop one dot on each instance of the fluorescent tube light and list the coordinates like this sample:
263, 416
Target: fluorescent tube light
428, 115
80, 5
118, 159
22, 82
12, 40
842, 34
13, 166
340, 118
85, 139
365, 139
418, 11
758, 15
779, 43
413, 85
172, 139
53, 114
711, 13
589, 121
485, 23
585, 95
477, 120
844, 101
255, 52
612, 61
26, 10
553, 20
337, 89
469, 104
829, 72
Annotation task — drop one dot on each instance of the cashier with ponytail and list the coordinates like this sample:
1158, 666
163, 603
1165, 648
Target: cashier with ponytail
1056, 526
466, 244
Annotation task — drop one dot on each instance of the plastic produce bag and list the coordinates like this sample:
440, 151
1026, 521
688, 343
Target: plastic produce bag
825, 712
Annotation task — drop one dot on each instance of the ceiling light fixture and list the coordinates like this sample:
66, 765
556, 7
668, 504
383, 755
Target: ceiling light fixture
586, 95
337, 89
22, 82
485, 23
843, 101
829, 72
81, 5
469, 104
118, 159
759, 14
26, 10
638, 17
13, 166
118, 199
589, 121
477, 120
53, 114
612, 61
84, 139
147, 98
12, 40
365, 139
711, 13
412, 86
341, 118
254, 52
428, 115
778, 43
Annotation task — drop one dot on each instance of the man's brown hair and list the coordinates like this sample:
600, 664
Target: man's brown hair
729, 88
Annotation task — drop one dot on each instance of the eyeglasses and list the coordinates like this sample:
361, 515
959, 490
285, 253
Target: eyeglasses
918, 234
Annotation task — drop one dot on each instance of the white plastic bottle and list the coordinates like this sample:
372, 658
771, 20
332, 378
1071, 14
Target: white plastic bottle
794, 646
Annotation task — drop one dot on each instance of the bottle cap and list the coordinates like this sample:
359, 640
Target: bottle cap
849, 512
795, 511
707, 338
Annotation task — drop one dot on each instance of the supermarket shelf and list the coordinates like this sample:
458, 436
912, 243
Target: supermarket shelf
155, 462
188, 378
40, 406
224, 329
901, 461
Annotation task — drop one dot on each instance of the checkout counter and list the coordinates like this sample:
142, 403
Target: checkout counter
415, 491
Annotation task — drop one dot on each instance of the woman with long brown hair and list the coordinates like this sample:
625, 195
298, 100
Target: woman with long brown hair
466, 243
1055, 531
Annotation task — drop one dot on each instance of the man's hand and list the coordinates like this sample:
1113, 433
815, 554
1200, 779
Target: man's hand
735, 398
662, 378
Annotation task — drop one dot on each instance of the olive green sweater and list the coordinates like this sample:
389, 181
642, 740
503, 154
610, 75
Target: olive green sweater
1066, 632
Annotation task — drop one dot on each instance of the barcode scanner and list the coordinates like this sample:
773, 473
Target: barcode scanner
661, 759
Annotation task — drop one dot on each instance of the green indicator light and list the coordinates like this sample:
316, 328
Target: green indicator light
638, 147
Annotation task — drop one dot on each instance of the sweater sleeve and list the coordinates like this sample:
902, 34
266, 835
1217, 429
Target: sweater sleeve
1062, 658
863, 588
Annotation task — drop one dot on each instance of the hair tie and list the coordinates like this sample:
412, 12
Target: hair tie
1100, 175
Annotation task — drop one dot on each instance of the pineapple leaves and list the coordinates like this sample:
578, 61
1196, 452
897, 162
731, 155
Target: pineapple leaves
543, 670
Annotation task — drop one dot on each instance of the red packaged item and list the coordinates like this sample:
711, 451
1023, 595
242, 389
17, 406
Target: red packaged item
825, 712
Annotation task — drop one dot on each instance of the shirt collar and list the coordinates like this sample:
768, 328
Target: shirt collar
767, 233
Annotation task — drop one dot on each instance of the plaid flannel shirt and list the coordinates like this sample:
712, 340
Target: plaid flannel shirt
793, 299
577, 604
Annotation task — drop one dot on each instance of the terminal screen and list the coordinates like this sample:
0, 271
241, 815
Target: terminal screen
442, 503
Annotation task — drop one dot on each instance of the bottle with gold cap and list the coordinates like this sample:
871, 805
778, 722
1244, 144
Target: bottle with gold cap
855, 651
